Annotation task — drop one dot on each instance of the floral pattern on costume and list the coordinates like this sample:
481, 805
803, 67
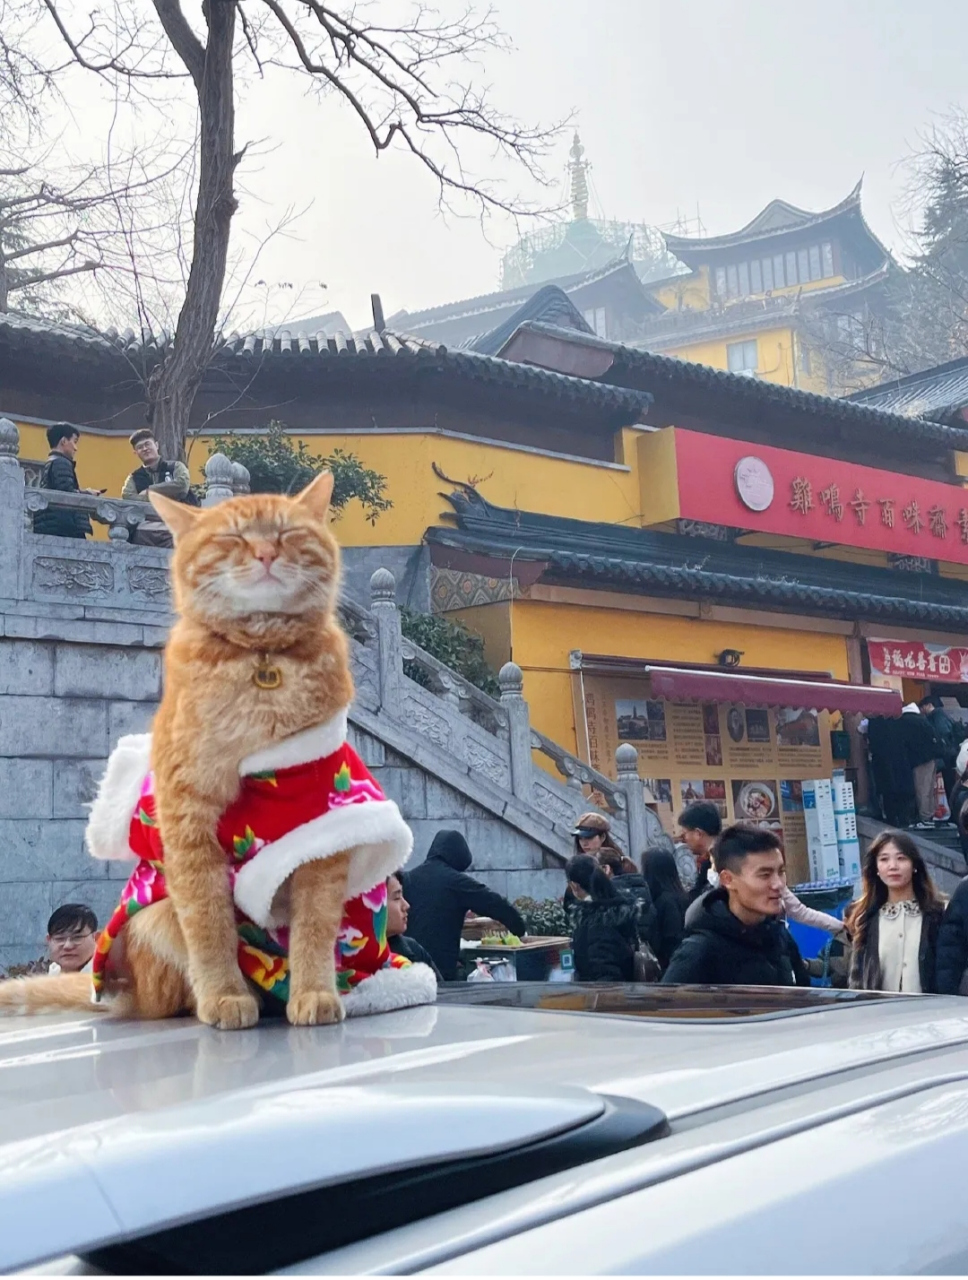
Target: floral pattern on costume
270, 805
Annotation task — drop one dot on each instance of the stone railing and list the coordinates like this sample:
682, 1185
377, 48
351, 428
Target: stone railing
116, 587
492, 736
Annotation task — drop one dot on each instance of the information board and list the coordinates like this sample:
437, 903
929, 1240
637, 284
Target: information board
749, 761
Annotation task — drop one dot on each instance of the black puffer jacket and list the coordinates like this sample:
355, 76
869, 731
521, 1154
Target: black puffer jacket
719, 949
951, 956
634, 888
440, 895
604, 939
60, 473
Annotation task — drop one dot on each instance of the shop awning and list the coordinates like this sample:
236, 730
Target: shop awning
683, 685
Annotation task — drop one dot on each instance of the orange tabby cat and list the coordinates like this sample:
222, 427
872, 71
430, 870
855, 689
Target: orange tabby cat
256, 656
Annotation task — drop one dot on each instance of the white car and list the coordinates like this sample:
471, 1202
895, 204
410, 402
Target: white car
510, 1129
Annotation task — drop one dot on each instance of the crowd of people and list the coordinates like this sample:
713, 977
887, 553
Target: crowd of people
730, 927
630, 923
153, 473
908, 754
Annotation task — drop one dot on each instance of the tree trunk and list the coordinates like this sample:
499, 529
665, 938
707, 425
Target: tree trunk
174, 384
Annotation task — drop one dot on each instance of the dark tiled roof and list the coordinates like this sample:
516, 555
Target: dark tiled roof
665, 564
301, 353
660, 373
549, 305
933, 393
487, 303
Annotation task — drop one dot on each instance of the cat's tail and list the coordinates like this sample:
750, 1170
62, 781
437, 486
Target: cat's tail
48, 993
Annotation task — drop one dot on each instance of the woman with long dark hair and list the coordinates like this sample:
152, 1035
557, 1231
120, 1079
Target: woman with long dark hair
894, 923
669, 899
604, 932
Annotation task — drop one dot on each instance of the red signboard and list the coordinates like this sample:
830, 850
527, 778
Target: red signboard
939, 662
757, 487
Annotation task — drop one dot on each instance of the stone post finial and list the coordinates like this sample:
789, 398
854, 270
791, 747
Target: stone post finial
383, 588
240, 478
14, 518
629, 782
218, 480
511, 681
519, 730
9, 441
386, 615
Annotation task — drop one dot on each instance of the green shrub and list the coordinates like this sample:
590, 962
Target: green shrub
544, 919
452, 644
278, 465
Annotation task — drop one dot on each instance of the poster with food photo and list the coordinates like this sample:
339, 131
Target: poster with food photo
755, 801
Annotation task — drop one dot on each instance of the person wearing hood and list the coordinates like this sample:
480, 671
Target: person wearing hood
737, 937
440, 894
921, 749
604, 932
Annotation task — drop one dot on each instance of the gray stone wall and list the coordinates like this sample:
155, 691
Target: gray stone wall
62, 705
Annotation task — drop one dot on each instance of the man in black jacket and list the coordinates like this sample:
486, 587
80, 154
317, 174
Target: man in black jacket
440, 894
738, 937
60, 472
951, 953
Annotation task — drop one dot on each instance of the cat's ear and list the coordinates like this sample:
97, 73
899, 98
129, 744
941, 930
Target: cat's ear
316, 496
177, 516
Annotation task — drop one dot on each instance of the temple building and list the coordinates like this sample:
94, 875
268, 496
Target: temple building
720, 570
770, 299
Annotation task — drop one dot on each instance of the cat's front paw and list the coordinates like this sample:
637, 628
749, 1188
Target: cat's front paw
314, 1009
230, 1012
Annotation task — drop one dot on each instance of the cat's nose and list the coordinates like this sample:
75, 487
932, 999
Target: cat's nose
266, 553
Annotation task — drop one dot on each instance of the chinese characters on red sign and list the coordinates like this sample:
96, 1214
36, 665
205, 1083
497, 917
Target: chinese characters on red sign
918, 661
936, 517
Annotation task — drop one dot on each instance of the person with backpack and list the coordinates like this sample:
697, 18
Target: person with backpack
60, 473
626, 878
604, 933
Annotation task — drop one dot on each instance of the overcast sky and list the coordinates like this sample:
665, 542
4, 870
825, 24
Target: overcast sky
720, 104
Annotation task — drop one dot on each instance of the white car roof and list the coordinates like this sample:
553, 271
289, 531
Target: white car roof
130, 1127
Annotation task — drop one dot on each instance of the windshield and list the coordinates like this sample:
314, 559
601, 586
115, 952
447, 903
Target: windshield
646, 1001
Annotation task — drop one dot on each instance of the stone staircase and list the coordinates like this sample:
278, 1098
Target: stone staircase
83, 628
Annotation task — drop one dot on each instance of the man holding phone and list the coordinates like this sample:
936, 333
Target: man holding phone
60, 472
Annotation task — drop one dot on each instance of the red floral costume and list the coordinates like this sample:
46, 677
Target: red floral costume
303, 799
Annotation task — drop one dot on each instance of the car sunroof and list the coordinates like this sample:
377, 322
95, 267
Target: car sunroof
644, 1000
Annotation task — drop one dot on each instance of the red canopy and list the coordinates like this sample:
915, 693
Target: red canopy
683, 685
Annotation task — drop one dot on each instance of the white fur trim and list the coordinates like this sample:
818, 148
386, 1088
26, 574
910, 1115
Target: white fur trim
390, 989
117, 796
375, 834
312, 744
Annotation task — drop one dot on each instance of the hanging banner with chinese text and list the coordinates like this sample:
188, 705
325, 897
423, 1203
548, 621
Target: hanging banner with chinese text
760, 488
917, 661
